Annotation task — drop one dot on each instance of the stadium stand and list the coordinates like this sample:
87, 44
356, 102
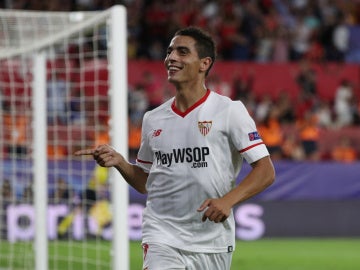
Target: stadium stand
299, 49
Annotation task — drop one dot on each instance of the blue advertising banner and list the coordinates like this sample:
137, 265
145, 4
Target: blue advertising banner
306, 200
312, 181
294, 180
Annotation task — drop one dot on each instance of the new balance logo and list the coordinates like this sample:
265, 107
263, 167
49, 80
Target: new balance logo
156, 132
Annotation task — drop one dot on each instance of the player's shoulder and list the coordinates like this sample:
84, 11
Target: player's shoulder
160, 110
225, 101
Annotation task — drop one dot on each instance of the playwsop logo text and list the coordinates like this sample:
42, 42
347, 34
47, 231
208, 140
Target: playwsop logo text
196, 156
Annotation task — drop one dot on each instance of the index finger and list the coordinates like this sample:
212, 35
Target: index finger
84, 152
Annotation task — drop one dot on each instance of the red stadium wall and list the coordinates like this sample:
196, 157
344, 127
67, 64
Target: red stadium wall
268, 78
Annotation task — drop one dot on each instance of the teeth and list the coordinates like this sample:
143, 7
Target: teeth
173, 68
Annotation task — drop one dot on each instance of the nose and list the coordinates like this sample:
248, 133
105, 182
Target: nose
171, 56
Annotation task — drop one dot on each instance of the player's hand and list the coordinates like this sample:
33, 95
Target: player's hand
216, 210
104, 155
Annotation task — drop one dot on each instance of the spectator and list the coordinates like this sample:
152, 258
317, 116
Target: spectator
343, 104
15, 133
292, 148
309, 134
28, 193
303, 105
252, 20
134, 138
242, 86
6, 192
324, 114
57, 95
263, 107
56, 151
340, 39
326, 36
344, 151
138, 103
316, 52
271, 133
95, 186
280, 52
264, 45
300, 41
77, 114
6, 198
306, 79
356, 106
61, 193
286, 108
235, 45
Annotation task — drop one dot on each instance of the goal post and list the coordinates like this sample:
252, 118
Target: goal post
63, 87
118, 79
40, 160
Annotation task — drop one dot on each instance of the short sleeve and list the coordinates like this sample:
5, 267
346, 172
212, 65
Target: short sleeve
244, 134
145, 156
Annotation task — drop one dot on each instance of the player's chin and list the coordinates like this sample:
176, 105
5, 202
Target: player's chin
172, 79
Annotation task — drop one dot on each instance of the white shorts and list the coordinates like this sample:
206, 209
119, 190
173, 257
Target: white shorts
163, 257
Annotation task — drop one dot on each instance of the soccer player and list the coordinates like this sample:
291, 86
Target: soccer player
191, 152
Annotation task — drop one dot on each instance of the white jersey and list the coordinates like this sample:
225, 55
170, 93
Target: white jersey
192, 156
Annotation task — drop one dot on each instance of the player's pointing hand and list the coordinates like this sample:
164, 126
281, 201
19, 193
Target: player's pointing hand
85, 152
104, 155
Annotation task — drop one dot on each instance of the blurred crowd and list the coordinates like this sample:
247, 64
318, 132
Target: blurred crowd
245, 30
304, 127
261, 31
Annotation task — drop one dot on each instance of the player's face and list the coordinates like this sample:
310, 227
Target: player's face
182, 60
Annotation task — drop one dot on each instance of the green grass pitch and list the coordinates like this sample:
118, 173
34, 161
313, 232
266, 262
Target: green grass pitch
288, 254
269, 254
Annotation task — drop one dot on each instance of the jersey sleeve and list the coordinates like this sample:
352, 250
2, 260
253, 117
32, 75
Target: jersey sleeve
145, 156
244, 134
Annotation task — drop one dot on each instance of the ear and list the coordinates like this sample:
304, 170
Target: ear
205, 64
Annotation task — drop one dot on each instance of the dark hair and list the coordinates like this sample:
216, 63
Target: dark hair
205, 44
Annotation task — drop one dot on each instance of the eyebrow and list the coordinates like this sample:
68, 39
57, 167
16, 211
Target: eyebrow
178, 48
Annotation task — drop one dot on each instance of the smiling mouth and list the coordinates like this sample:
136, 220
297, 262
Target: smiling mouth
173, 70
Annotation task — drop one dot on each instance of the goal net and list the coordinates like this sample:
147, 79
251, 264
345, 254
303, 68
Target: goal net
63, 87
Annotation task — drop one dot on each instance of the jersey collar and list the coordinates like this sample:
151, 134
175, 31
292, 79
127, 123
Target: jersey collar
196, 104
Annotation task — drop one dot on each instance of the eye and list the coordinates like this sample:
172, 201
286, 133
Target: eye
183, 51
168, 51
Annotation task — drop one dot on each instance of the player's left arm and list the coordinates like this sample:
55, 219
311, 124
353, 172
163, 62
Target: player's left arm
259, 178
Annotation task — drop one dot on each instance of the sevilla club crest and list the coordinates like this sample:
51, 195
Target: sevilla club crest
204, 127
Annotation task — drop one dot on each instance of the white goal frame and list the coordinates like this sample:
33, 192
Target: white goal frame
119, 134
118, 85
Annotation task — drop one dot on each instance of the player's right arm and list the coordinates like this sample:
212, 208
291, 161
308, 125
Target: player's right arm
106, 156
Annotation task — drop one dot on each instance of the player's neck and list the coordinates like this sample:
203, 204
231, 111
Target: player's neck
185, 97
